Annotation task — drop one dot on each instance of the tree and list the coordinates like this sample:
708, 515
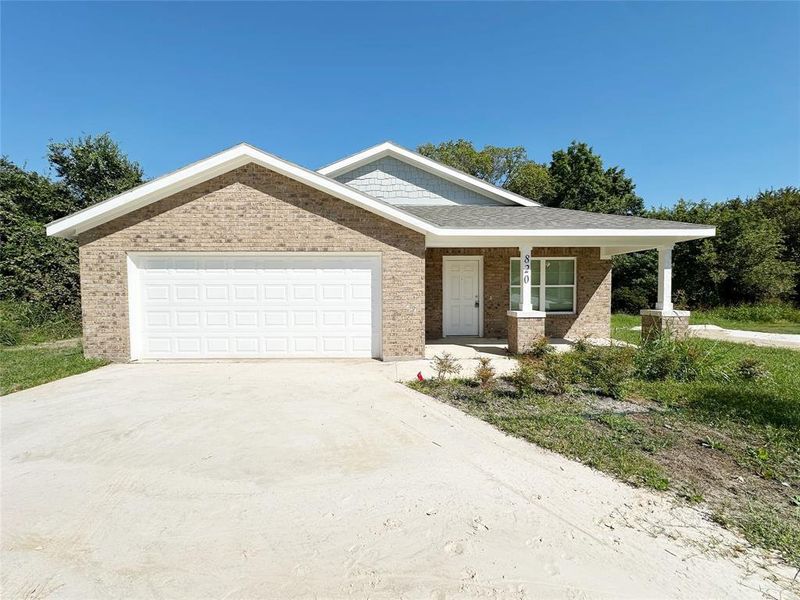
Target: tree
93, 168
580, 182
745, 262
507, 167
634, 280
533, 181
38, 269
782, 206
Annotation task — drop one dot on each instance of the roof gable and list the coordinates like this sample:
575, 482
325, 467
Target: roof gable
401, 183
211, 167
454, 176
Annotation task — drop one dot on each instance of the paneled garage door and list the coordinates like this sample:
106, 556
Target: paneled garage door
218, 306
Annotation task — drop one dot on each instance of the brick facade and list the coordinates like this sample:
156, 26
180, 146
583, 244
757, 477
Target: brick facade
593, 310
655, 323
523, 333
250, 209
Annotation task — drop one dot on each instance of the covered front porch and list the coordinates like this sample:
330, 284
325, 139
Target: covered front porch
501, 300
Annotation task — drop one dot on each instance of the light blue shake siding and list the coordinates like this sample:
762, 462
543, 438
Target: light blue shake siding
397, 182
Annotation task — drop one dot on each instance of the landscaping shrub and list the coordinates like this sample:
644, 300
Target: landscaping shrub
558, 371
525, 376
606, 369
540, 349
663, 357
485, 373
581, 345
445, 365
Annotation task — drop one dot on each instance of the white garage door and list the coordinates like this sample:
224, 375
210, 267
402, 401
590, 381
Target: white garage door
217, 306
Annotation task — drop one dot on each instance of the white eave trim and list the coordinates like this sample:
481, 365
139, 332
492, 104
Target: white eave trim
689, 234
426, 164
214, 166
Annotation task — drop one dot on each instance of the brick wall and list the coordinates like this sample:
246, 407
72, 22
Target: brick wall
249, 209
523, 333
592, 318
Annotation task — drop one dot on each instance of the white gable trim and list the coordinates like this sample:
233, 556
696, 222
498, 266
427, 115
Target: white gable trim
214, 166
426, 164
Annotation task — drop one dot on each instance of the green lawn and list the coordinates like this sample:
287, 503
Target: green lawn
24, 367
37, 346
785, 321
730, 442
701, 318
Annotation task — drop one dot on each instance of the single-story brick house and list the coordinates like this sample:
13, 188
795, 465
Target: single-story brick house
244, 254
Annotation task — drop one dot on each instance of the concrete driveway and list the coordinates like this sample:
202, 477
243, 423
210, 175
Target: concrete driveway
299, 479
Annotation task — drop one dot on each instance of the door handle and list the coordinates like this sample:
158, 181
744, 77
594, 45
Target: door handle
477, 303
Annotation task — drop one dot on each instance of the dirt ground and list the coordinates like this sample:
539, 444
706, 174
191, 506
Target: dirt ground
293, 479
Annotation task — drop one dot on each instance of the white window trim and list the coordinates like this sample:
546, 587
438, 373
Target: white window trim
542, 287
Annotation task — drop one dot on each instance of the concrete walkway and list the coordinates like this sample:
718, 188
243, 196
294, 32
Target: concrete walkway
743, 336
757, 338
303, 479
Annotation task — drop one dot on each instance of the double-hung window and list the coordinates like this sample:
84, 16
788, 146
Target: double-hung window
552, 284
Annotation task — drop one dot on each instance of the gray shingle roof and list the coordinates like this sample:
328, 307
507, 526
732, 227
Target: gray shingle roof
534, 217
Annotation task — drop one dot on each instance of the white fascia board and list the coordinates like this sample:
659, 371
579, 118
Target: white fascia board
426, 164
683, 234
211, 167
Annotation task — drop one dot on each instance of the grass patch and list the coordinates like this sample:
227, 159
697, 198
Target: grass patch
23, 323
767, 318
22, 368
22, 363
680, 417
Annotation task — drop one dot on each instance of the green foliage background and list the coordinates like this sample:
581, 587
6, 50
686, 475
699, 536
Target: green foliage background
40, 270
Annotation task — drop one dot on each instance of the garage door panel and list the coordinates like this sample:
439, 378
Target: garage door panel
184, 319
229, 306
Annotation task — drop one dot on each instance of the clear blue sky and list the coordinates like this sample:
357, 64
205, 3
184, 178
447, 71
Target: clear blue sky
693, 100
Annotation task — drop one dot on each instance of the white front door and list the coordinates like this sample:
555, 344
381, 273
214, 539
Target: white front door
462, 296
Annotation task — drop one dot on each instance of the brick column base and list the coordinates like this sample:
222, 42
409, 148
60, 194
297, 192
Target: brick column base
673, 323
524, 329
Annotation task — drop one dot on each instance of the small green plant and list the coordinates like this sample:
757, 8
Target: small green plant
445, 365
691, 493
524, 377
605, 369
540, 348
711, 443
485, 373
664, 357
581, 345
558, 373
751, 368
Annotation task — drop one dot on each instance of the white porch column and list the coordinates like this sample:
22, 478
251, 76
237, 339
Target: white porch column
525, 278
664, 299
